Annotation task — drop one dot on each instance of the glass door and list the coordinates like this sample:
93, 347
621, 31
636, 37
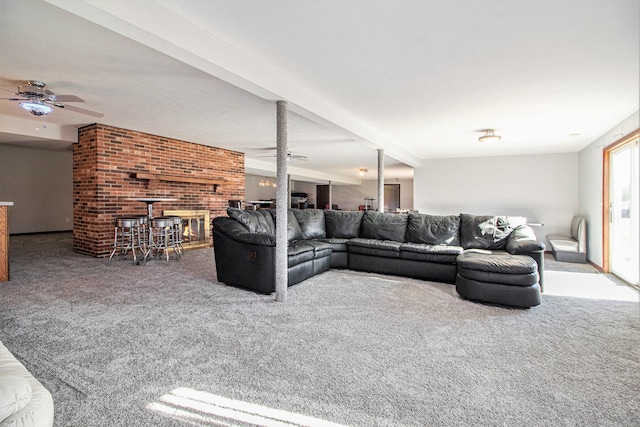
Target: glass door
624, 219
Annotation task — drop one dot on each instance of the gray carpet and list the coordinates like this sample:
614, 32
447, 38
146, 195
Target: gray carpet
165, 345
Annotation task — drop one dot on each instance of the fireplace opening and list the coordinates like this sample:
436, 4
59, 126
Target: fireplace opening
195, 227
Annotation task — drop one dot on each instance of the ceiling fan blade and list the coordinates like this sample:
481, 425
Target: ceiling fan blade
301, 158
68, 98
260, 149
16, 99
80, 110
7, 90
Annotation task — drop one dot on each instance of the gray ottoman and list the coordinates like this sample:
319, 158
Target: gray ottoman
498, 278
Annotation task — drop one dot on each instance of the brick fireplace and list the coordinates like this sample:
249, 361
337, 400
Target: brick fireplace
113, 166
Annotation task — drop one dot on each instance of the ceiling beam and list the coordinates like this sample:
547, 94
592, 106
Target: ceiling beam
151, 24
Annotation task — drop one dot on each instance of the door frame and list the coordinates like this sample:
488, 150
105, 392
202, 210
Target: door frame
396, 188
606, 196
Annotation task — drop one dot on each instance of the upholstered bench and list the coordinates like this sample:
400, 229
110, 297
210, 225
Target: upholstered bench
500, 278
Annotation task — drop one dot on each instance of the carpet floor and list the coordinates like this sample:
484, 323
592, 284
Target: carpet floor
167, 345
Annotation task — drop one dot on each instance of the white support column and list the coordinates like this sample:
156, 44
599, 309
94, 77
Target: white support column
282, 190
330, 196
380, 180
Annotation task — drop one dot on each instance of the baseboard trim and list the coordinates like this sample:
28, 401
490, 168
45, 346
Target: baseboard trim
41, 232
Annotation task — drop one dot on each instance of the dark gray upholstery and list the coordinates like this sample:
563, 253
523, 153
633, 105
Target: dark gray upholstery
486, 232
256, 221
339, 256
415, 245
433, 229
498, 278
294, 232
383, 226
299, 252
343, 224
380, 248
311, 223
496, 293
433, 253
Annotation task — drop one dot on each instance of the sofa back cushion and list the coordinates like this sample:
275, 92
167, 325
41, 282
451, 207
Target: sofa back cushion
384, 226
311, 223
343, 224
433, 229
487, 232
294, 232
259, 221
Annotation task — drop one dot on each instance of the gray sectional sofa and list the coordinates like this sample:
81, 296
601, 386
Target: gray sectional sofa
507, 265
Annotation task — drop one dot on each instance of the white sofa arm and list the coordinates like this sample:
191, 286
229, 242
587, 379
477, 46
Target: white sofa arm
24, 402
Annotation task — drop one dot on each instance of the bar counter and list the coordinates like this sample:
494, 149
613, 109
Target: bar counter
4, 240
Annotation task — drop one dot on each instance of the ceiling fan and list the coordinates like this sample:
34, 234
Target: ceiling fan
39, 101
290, 155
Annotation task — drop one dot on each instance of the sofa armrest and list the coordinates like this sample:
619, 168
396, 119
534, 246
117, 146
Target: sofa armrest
523, 241
238, 232
35, 407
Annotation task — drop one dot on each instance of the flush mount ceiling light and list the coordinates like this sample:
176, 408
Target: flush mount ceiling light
489, 137
362, 171
36, 107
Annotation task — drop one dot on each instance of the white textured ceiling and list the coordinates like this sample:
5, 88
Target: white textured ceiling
416, 78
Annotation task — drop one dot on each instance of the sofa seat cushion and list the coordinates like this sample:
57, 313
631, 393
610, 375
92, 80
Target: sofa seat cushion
501, 268
338, 245
320, 249
298, 252
564, 245
381, 248
432, 253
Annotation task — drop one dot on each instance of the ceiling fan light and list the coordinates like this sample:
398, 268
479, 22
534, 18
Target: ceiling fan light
36, 108
490, 137
362, 171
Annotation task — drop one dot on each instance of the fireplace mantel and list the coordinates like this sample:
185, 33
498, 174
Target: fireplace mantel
178, 178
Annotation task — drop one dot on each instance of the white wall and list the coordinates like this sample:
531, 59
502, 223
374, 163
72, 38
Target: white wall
350, 197
543, 188
347, 197
253, 190
590, 179
40, 183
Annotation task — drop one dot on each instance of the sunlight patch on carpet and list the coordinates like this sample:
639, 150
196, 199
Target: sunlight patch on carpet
201, 407
587, 285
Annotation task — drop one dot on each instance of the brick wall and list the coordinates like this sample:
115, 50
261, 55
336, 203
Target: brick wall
104, 161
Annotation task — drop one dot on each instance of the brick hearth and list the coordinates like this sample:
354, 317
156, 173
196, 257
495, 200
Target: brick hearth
107, 163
